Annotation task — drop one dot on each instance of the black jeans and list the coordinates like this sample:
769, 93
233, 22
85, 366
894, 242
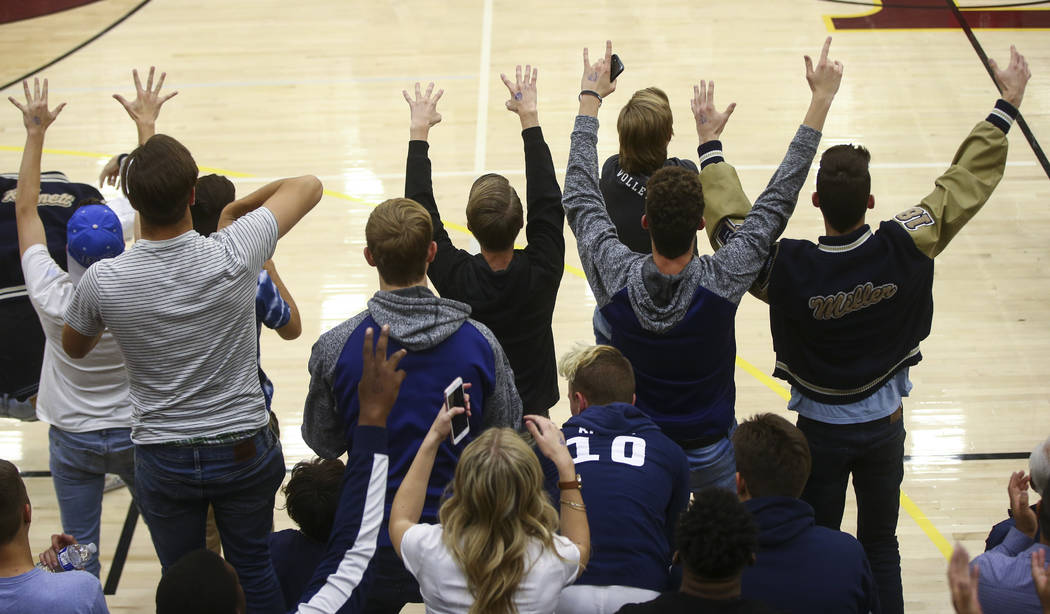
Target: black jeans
874, 453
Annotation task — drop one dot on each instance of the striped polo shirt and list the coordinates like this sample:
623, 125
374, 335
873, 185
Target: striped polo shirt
183, 313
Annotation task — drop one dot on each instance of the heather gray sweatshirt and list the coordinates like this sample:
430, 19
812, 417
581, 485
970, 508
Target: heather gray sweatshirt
660, 301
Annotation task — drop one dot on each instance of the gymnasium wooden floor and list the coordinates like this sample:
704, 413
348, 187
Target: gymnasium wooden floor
271, 89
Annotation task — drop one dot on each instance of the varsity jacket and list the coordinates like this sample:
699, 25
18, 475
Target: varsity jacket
678, 330
443, 344
624, 196
847, 313
19, 326
802, 568
516, 303
635, 484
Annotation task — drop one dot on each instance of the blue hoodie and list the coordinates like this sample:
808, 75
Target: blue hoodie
635, 483
801, 567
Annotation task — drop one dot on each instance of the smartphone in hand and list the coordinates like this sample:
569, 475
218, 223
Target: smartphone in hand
454, 398
616, 68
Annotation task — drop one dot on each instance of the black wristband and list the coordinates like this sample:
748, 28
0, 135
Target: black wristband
590, 93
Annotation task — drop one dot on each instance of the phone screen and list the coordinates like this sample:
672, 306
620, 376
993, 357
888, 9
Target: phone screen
460, 423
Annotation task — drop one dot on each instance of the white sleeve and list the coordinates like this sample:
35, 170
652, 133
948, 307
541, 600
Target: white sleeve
570, 558
48, 286
414, 546
252, 238
84, 313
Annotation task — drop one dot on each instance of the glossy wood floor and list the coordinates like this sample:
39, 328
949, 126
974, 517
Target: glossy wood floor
270, 89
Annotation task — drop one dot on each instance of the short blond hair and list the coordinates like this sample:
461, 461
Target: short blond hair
398, 234
600, 372
645, 126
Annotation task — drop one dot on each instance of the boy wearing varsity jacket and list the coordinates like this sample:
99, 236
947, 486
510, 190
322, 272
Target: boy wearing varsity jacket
847, 314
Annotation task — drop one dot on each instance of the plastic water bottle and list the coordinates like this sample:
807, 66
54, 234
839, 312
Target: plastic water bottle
74, 556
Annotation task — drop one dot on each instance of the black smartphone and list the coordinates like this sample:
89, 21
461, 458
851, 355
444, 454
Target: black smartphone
454, 398
616, 68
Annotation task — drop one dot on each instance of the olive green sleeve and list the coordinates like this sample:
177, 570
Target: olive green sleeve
960, 192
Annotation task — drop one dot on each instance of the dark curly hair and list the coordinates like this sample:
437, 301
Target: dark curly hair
674, 207
716, 536
312, 495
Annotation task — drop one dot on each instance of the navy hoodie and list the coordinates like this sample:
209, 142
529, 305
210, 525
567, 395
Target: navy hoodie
801, 567
635, 484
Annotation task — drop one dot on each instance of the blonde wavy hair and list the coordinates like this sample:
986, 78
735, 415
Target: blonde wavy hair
645, 126
496, 508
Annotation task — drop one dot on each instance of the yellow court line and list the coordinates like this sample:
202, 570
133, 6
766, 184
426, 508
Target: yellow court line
913, 510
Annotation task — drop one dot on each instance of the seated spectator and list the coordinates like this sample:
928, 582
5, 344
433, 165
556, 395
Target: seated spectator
800, 567
311, 497
85, 402
1006, 582
25, 588
1039, 472
496, 550
717, 539
201, 582
637, 483
512, 291
645, 127
444, 343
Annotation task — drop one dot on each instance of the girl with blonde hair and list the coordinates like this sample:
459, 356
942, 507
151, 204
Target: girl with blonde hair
496, 550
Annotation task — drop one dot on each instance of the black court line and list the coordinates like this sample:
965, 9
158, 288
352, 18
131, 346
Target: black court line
973, 456
1021, 123
918, 7
77, 48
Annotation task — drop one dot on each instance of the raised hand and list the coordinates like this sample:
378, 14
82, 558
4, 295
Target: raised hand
424, 111
825, 77
1025, 518
709, 122
380, 379
145, 109
962, 582
1014, 78
596, 76
35, 114
523, 95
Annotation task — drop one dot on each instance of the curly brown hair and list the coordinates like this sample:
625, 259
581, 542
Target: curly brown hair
674, 208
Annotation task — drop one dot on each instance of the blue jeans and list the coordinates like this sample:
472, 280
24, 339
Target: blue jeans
79, 463
177, 483
713, 466
874, 453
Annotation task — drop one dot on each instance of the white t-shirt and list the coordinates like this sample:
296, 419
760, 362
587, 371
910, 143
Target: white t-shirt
75, 395
444, 587
183, 313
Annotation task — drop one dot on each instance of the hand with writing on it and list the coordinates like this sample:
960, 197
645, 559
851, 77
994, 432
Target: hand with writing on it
35, 114
523, 95
596, 76
709, 122
424, 112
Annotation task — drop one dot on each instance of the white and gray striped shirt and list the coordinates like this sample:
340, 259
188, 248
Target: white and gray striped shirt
183, 313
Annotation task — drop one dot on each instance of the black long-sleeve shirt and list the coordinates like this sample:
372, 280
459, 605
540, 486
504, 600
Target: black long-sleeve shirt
517, 303
624, 196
